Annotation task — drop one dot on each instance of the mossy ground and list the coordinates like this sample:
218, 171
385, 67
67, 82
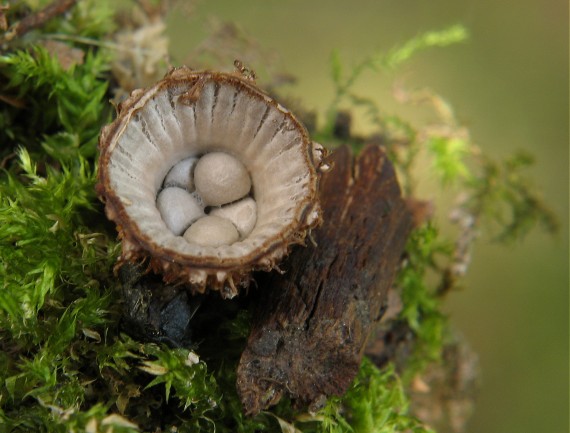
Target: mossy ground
66, 366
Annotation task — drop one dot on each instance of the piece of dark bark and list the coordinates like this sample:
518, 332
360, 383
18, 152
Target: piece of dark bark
312, 321
154, 311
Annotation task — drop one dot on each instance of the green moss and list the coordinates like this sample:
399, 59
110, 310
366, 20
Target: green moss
63, 110
377, 62
47, 251
375, 403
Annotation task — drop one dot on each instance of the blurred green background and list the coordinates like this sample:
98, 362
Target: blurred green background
509, 85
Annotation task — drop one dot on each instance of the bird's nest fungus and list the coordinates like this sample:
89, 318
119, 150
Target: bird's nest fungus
208, 179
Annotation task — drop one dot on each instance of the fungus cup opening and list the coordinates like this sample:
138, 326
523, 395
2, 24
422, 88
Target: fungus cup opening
191, 114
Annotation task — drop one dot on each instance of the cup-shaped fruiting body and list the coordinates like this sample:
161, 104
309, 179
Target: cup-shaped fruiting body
209, 179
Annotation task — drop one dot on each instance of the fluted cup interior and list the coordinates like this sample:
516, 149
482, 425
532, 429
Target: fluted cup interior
226, 117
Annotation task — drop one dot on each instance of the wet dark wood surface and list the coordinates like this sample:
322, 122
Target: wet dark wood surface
312, 322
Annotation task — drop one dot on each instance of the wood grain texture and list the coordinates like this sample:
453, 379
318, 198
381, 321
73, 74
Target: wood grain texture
312, 322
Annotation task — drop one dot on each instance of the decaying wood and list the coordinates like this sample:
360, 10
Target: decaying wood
313, 321
37, 19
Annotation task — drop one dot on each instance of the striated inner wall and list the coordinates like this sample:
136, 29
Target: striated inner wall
224, 118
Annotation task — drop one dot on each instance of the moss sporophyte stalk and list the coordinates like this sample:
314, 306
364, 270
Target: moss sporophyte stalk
66, 360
